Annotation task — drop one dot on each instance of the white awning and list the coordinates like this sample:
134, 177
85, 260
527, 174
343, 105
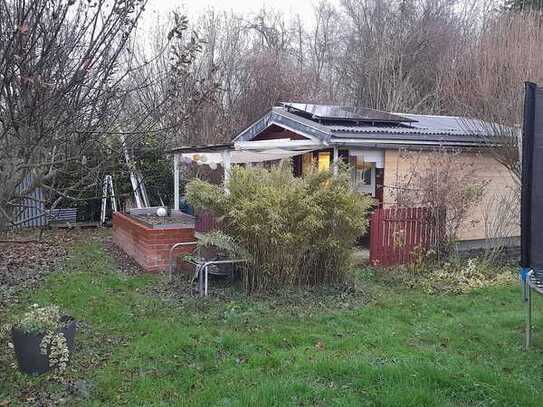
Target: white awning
240, 156
245, 152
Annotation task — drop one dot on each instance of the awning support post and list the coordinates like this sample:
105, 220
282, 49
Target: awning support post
176, 182
227, 165
335, 162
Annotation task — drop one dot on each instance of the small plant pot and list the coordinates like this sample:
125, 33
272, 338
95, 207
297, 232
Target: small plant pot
27, 348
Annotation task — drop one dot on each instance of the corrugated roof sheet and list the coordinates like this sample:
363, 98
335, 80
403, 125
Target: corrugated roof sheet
424, 126
346, 113
421, 129
448, 124
428, 128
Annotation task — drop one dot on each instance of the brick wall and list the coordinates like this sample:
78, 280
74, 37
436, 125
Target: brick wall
148, 246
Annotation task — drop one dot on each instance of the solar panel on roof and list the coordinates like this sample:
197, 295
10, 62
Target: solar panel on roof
358, 114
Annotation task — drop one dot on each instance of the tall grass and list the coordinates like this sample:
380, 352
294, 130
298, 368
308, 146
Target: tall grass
295, 231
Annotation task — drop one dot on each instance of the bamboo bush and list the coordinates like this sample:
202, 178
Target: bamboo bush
294, 231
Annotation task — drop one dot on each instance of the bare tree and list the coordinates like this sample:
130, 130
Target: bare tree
390, 55
254, 62
169, 81
323, 45
485, 79
60, 86
76, 85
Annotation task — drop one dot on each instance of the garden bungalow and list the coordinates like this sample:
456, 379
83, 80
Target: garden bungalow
370, 141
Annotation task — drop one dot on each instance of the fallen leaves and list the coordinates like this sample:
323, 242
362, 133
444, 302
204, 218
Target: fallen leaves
25, 261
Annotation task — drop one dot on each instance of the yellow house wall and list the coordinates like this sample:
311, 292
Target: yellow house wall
486, 169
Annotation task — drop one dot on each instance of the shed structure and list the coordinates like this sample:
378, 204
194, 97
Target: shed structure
371, 141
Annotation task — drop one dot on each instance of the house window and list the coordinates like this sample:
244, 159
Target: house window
363, 175
324, 161
319, 161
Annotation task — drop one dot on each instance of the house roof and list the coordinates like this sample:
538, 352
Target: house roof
340, 125
345, 113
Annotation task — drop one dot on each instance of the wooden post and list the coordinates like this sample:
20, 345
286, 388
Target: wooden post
226, 158
335, 161
176, 181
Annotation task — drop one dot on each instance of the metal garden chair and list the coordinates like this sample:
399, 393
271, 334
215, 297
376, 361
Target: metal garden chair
206, 261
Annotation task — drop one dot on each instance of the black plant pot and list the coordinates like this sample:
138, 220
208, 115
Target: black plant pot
27, 347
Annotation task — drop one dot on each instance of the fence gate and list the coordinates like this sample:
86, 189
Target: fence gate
397, 235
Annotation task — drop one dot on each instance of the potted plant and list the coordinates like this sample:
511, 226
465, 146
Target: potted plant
43, 339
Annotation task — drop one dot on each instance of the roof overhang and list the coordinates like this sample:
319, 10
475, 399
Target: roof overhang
395, 144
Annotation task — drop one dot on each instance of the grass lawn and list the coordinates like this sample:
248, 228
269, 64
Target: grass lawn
405, 348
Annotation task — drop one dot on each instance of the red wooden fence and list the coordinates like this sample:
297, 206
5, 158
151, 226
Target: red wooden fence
206, 221
398, 234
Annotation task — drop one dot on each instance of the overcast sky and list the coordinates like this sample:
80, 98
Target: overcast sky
195, 7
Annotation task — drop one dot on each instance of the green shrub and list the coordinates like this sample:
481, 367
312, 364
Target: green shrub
460, 275
295, 231
456, 275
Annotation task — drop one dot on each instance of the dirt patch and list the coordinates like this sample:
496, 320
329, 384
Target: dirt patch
26, 258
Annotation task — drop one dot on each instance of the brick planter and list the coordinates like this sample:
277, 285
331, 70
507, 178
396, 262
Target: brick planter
149, 246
